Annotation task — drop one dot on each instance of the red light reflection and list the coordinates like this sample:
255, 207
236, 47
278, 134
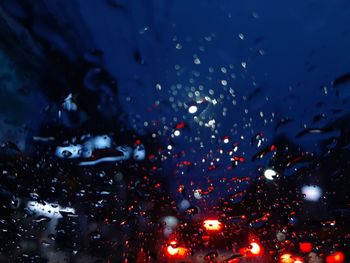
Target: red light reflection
337, 257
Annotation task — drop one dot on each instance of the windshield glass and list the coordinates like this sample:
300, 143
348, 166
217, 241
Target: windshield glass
174, 131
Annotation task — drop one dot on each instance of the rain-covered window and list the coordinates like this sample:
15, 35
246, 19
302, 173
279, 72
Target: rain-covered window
174, 131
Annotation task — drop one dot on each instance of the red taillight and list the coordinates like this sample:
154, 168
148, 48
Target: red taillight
172, 248
212, 225
337, 257
305, 247
254, 249
172, 251
175, 251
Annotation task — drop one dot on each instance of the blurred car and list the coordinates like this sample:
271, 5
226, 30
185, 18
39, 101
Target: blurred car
212, 240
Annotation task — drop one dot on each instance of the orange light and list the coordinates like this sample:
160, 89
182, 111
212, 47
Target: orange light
212, 225
286, 258
182, 251
174, 250
337, 257
305, 247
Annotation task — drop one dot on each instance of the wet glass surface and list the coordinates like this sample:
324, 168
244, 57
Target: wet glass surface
174, 131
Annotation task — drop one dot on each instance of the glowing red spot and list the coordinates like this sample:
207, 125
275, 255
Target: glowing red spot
212, 225
181, 188
151, 157
212, 167
205, 238
141, 257
238, 159
184, 163
180, 125
305, 247
337, 257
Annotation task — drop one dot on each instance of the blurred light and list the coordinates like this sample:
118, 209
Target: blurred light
197, 194
298, 260
255, 249
182, 251
212, 225
281, 236
311, 192
174, 250
226, 139
177, 133
305, 247
167, 231
184, 204
286, 258
139, 152
270, 174
192, 109
337, 257
170, 221
206, 238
